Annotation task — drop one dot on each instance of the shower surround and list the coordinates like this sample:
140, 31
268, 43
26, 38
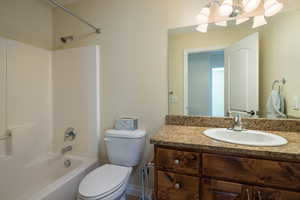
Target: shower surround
42, 93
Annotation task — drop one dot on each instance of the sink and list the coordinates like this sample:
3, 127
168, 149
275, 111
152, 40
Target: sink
247, 137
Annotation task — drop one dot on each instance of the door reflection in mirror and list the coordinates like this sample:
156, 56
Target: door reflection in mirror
204, 83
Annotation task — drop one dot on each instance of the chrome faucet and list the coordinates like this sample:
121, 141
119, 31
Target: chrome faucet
66, 149
237, 123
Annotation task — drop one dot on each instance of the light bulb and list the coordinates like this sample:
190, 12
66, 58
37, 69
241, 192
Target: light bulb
203, 16
259, 21
226, 8
272, 7
202, 28
223, 23
250, 5
241, 20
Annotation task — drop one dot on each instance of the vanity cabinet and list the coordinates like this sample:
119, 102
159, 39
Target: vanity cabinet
187, 174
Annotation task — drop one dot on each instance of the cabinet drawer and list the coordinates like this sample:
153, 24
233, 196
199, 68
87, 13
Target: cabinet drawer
178, 161
274, 194
171, 186
222, 190
256, 171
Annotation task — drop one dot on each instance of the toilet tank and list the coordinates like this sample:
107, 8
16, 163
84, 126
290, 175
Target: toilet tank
125, 148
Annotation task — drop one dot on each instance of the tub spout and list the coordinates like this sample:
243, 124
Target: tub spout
67, 148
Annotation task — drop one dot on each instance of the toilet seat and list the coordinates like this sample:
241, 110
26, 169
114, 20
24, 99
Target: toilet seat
104, 181
114, 195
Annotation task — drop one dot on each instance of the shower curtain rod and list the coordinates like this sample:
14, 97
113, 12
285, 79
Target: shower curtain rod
54, 2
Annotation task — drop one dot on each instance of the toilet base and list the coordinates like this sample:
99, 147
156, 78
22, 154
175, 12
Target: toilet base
123, 197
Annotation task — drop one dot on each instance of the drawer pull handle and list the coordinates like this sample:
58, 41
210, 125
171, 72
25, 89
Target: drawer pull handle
176, 162
248, 194
259, 195
177, 186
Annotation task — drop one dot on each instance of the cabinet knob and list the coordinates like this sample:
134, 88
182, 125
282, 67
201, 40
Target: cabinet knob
177, 186
176, 162
193, 157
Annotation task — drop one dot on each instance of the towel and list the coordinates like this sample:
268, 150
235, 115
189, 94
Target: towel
275, 105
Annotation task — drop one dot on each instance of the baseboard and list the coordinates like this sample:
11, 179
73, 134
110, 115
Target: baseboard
136, 190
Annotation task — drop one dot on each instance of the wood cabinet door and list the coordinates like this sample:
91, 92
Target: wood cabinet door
261, 193
172, 186
221, 190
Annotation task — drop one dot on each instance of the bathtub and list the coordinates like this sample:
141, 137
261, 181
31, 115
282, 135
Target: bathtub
50, 179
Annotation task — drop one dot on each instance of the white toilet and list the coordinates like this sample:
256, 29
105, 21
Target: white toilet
109, 182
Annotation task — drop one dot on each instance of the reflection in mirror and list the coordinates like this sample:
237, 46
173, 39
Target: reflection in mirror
236, 69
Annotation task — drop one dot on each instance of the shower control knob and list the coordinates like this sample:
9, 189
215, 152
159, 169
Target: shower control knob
70, 134
176, 162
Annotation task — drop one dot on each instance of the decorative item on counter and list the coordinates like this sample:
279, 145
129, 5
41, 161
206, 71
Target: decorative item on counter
276, 101
126, 123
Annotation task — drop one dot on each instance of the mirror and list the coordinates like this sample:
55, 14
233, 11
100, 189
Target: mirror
236, 69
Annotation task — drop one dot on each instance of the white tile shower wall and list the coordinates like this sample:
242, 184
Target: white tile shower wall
76, 98
28, 108
29, 96
3, 150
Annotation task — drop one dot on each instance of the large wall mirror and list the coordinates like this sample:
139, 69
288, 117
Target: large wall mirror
237, 68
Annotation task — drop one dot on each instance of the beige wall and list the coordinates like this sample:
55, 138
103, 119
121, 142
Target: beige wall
28, 21
133, 56
278, 56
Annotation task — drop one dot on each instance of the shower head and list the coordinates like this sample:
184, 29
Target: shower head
67, 38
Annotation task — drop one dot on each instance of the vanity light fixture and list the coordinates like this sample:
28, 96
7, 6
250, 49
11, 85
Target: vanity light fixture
203, 16
202, 28
259, 21
272, 7
223, 23
250, 5
226, 8
220, 11
241, 20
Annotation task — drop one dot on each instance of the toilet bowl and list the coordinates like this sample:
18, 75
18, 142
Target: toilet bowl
109, 182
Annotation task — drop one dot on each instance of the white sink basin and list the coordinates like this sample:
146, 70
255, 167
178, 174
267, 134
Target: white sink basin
248, 137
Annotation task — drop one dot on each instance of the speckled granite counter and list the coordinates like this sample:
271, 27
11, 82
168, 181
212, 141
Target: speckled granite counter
192, 137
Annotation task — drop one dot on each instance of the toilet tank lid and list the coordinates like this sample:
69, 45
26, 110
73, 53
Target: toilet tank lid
125, 134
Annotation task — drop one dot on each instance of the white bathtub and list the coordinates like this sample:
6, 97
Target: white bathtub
49, 179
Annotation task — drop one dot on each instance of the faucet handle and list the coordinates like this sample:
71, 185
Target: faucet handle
237, 118
66, 148
70, 134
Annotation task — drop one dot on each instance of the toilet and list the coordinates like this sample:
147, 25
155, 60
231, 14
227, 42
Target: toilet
109, 181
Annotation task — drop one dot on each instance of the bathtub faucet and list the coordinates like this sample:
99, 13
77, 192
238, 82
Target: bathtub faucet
67, 148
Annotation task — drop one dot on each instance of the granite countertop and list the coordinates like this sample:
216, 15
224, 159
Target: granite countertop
191, 137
